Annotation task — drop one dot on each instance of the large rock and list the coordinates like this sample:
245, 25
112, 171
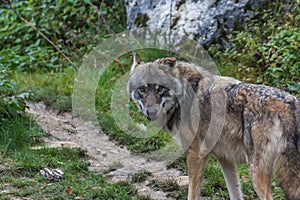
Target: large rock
207, 21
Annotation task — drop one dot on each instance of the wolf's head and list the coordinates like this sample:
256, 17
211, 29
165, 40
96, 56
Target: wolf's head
155, 87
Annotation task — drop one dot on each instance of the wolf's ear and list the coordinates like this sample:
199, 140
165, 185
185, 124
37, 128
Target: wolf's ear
169, 61
135, 62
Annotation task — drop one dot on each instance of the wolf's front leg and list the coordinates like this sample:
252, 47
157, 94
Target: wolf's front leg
196, 166
231, 178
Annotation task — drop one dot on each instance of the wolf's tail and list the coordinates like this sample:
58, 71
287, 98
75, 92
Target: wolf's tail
288, 165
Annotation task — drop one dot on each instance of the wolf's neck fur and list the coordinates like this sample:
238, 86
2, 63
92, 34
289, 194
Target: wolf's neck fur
199, 84
174, 120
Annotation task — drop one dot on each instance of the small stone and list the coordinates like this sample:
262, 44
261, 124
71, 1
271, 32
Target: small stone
183, 180
114, 151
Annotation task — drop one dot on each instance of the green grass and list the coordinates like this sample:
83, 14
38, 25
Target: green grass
53, 89
140, 176
24, 179
20, 167
180, 164
18, 133
171, 187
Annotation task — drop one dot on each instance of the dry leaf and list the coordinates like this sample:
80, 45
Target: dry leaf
68, 190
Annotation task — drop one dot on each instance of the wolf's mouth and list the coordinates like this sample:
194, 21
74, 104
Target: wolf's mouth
151, 118
151, 113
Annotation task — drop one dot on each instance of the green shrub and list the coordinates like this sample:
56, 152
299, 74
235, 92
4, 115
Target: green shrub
11, 106
75, 26
281, 59
266, 50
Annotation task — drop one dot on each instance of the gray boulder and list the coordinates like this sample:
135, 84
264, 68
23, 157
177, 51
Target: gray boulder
206, 21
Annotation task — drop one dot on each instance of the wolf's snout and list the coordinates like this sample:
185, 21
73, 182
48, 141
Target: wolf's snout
151, 113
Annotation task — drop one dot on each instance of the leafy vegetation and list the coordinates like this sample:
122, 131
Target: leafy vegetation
265, 51
73, 26
11, 105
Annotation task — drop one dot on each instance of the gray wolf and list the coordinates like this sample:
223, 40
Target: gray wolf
261, 124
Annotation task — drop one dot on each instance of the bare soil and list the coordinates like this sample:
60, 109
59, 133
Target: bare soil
116, 162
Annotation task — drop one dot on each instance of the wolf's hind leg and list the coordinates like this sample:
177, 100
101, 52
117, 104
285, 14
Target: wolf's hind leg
288, 172
261, 180
231, 178
261, 168
262, 142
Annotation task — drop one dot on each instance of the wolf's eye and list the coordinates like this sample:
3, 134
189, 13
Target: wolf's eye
142, 89
160, 88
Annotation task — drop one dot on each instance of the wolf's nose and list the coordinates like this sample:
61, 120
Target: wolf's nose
151, 112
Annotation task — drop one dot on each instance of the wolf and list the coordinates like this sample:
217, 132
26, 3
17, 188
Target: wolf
260, 125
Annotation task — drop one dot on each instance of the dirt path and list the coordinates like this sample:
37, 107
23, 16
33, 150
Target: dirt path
103, 154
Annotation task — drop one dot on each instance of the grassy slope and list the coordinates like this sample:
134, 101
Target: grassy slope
19, 169
214, 184
20, 166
